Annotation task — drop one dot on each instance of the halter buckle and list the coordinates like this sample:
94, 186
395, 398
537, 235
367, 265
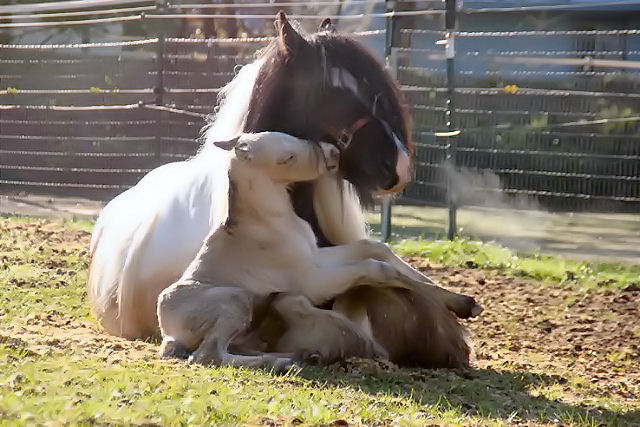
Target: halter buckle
343, 139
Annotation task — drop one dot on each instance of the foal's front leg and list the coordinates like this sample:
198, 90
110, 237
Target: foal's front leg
325, 282
463, 306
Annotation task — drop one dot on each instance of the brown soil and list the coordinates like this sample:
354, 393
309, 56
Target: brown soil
530, 326
525, 326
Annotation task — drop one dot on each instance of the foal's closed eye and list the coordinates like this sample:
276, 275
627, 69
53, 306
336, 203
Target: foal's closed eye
287, 159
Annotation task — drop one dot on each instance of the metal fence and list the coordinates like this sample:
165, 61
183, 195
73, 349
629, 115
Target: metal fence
546, 99
532, 105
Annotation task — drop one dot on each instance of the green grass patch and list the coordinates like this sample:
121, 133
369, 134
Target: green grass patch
545, 268
54, 370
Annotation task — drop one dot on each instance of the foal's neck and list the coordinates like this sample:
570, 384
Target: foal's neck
257, 196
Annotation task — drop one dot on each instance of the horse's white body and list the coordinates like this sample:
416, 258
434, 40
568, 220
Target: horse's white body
146, 237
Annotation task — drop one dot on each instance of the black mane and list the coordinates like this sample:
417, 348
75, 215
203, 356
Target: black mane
270, 94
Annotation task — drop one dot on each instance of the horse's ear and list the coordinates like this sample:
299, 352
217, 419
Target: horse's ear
227, 145
289, 41
328, 26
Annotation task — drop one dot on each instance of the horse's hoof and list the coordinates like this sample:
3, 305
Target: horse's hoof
466, 307
476, 310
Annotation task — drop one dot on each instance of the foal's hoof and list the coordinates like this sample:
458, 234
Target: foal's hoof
465, 307
172, 348
311, 358
282, 365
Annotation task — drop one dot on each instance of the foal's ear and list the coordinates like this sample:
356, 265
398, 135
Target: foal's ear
227, 145
328, 26
289, 41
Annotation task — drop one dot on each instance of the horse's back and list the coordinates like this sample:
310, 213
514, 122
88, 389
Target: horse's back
146, 237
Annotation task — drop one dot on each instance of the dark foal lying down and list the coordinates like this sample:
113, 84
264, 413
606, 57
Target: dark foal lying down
265, 255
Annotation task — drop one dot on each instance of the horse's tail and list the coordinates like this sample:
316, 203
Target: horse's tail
112, 274
127, 309
107, 259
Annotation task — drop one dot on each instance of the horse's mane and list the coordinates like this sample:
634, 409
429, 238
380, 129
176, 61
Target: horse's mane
233, 104
376, 89
253, 101
244, 100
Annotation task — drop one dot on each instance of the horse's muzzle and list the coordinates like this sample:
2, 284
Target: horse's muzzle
403, 172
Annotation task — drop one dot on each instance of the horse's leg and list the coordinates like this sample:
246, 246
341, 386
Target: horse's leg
415, 330
416, 314
324, 336
463, 306
204, 320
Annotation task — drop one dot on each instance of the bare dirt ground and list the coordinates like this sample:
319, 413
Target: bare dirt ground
527, 325
588, 343
48, 206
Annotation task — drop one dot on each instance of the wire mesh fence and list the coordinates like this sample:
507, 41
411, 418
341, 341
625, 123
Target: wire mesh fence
546, 100
549, 114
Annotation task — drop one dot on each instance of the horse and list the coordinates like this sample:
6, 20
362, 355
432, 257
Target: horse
323, 86
263, 249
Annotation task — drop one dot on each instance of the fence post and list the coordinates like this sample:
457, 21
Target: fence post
159, 89
450, 52
390, 54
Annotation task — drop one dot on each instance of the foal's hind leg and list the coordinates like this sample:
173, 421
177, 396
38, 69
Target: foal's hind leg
203, 320
324, 335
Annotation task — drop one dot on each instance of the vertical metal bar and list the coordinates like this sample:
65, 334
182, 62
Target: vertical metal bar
389, 31
391, 64
161, 7
450, 51
159, 89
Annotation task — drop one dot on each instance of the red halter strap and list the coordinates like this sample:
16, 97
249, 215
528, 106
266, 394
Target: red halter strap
345, 135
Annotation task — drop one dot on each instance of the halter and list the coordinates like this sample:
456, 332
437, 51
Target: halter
344, 136
343, 79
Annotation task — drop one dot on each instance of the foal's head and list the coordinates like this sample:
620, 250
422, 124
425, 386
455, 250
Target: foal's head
328, 87
280, 157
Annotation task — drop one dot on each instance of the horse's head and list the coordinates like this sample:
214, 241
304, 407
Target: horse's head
280, 157
328, 87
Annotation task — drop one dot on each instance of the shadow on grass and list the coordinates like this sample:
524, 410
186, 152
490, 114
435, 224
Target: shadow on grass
508, 396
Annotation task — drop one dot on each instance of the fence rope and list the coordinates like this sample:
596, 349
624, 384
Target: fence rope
79, 13
127, 43
144, 16
551, 7
70, 23
270, 5
175, 110
391, 14
528, 33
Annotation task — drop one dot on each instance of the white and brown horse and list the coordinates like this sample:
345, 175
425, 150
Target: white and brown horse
266, 251
324, 86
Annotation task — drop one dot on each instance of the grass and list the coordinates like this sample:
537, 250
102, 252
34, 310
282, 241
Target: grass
544, 268
578, 235
55, 367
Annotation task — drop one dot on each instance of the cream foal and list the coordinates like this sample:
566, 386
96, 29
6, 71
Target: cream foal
265, 255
